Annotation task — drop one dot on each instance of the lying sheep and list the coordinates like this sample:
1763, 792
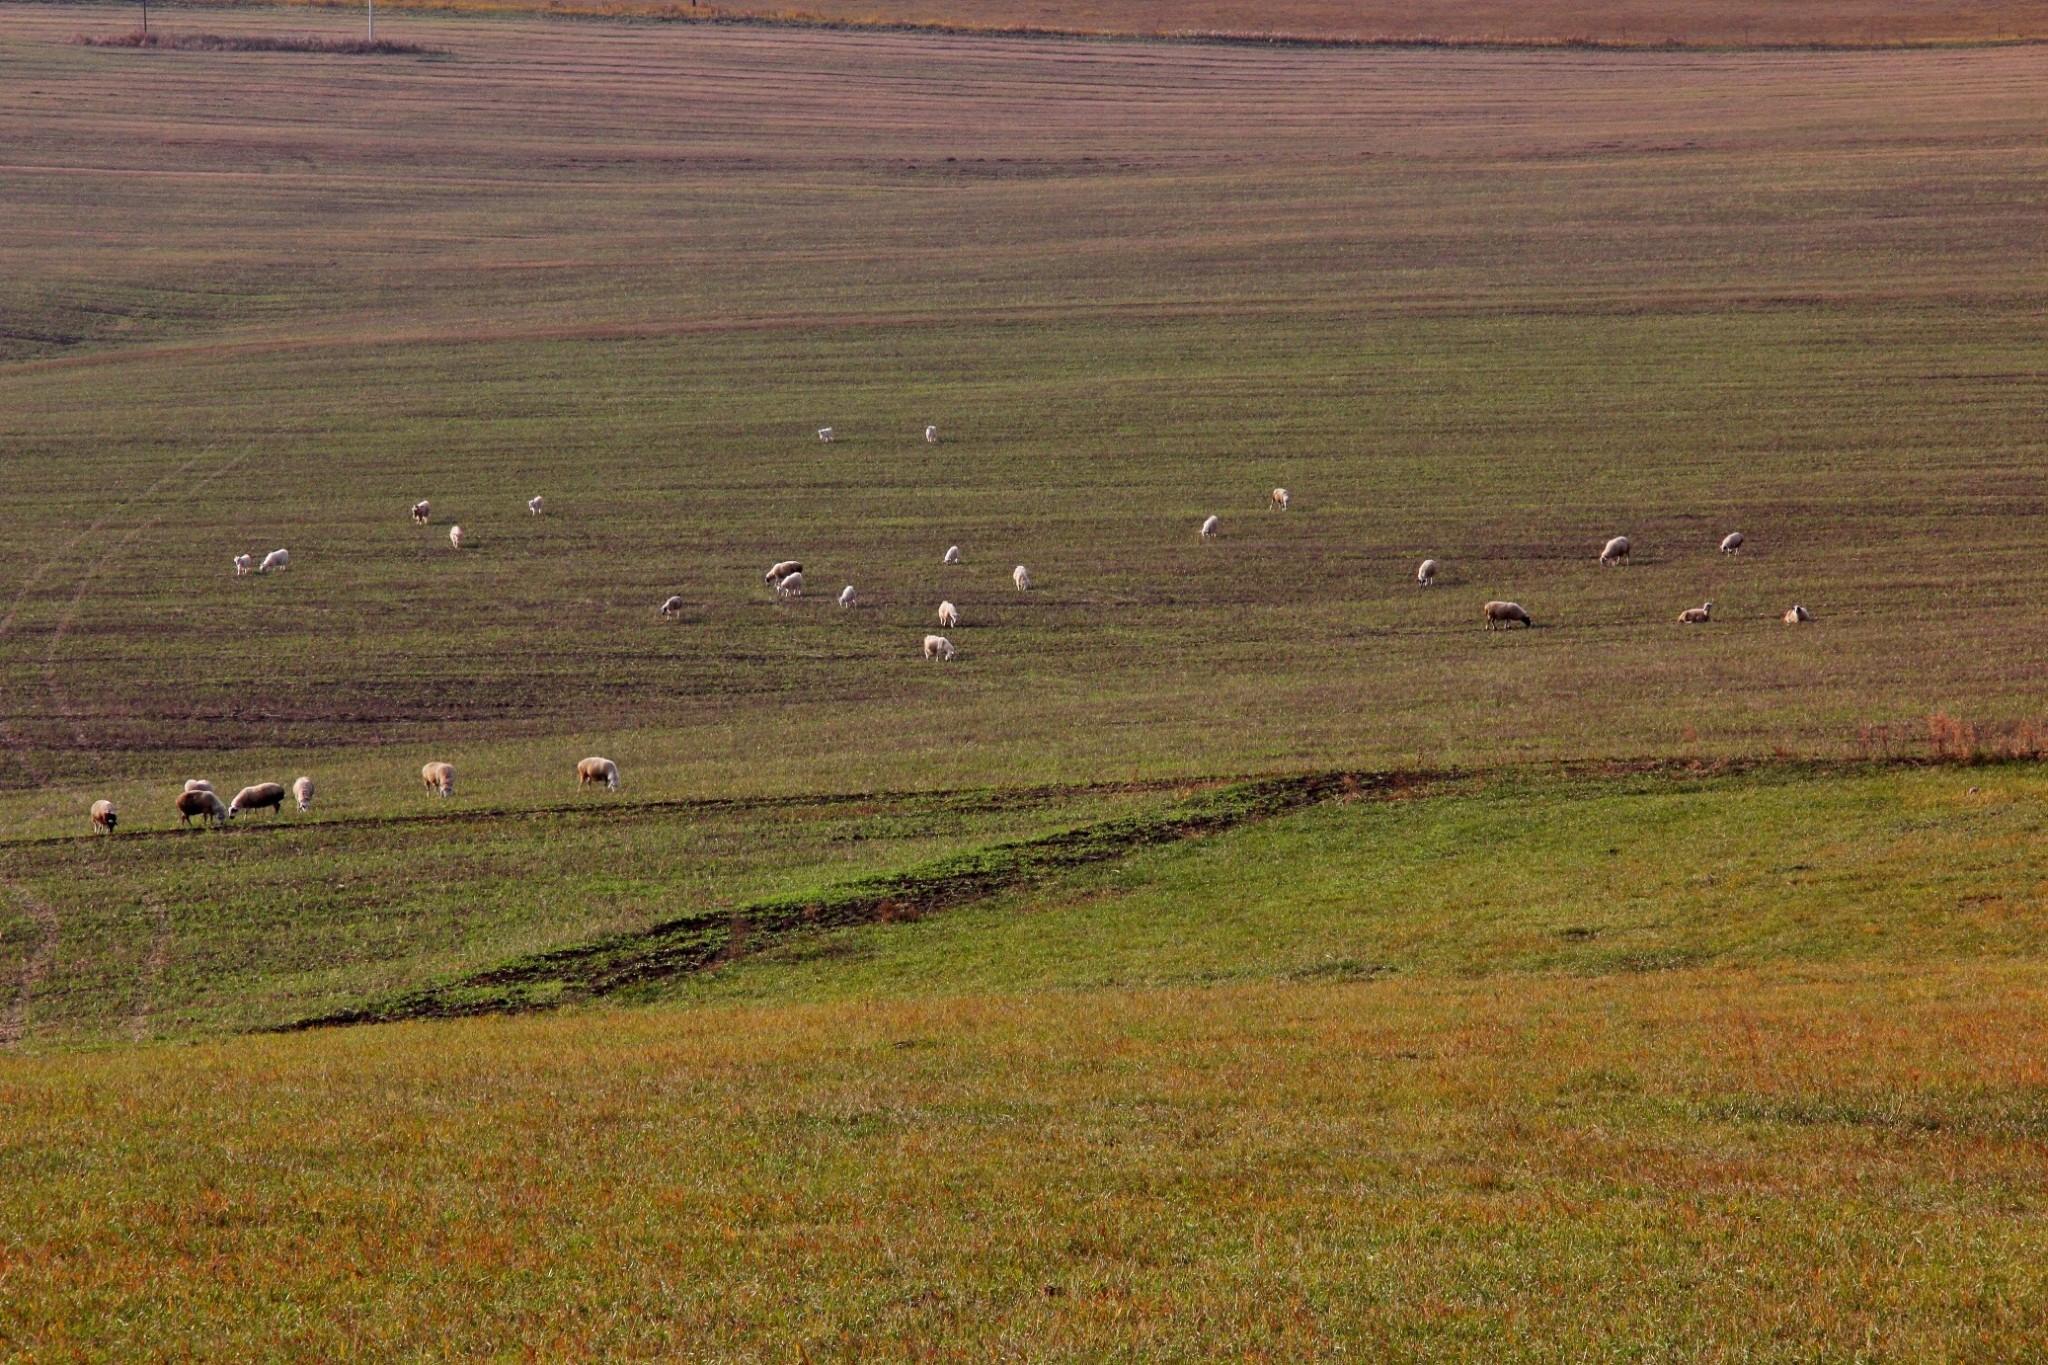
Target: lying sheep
422, 510
777, 572
939, 647
672, 607
244, 564
263, 796
198, 784
597, 770
1209, 527
103, 817
302, 792
276, 559
827, 434
1796, 613
1615, 551
1425, 573
1697, 616
790, 586
536, 505
1501, 615
949, 615
203, 804
1021, 576
1281, 497
1731, 544
846, 596
440, 778
931, 435
455, 536
952, 555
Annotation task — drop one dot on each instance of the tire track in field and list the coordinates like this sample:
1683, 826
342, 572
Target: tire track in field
152, 966
14, 1024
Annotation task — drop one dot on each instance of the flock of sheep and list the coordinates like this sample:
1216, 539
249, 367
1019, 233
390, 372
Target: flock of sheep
1502, 615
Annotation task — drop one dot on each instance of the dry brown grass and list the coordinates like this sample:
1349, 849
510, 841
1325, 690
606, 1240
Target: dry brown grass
251, 42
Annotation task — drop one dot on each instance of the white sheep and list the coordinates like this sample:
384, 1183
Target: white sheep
931, 435
790, 586
1731, 544
536, 505
777, 572
1022, 577
203, 804
302, 792
952, 555
244, 564
276, 559
1615, 551
198, 784
263, 796
949, 615
939, 647
827, 434
1795, 613
422, 510
1281, 497
672, 607
1209, 527
1697, 616
455, 536
103, 817
439, 778
846, 596
1501, 615
1425, 573
592, 770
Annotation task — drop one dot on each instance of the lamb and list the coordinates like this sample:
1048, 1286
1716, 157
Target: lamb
198, 784
939, 647
672, 607
421, 510
203, 804
1697, 616
1022, 577
792, 586
263, 796
536, 505
846, 596
597, 770
1425, 573
1502, 615
1209, 527
455, 536
1795, 613
244, 564
276, 559
103, 817
952, 554
777, 572
949, 615
440, 778
302, 792
931, 435
1731, 544
827, 434
1615, 551
1281, 497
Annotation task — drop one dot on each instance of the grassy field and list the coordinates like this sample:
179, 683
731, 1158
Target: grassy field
1236, 951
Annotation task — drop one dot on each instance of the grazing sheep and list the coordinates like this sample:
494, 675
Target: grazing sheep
1209, 527
1022, 577
949, 615
204, 805
931, 435
244, 564
792, 586
263, 796
777, 572
1425, 573
455, 536
846, 596
198, 784
1697, 616
952, 554
422, 510
1731, 544
103, 817
1615, 551
302, 792
1501, 615
672, 607
1795, 613
827, 434
1281, 497
536, 505
939, 647
598, 770
276, 559
440, 778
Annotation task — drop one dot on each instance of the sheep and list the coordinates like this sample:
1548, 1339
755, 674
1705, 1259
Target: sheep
1501, 615
1281, 497
1731, 544
440, 778
952, 555
597, 770
949, 615
198, 784
302, 792
931, 436
1697, 616
103, 817
777, 572
846, 596
455, 536
939, 647
827, 435
672, 607
203, 804
1425, 573
244, 564
1615, 551
276, 559
1795, 613
263, 796
1022, 577
536, 505
1209, 527
422, 510
792, 586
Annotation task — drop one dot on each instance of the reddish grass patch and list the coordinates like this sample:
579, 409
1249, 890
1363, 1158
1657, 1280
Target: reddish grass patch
217, 42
